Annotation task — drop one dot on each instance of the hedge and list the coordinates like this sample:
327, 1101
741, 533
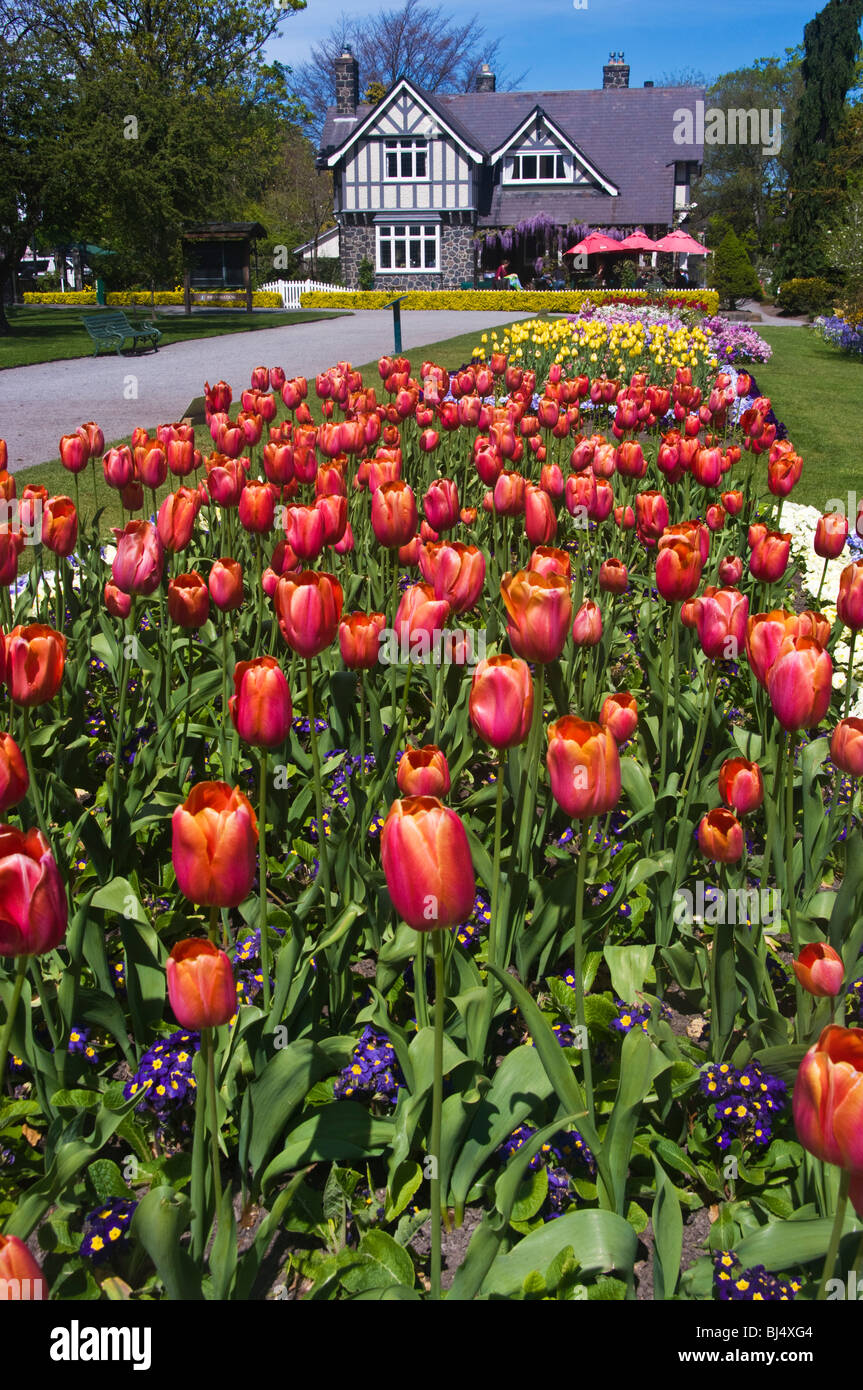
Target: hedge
263, 299
531, 301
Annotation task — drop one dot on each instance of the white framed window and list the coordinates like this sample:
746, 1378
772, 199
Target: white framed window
408, 246
406, 159
537, 168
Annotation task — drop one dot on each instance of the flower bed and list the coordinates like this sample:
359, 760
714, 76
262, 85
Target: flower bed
844, 335
236, 299
438, 806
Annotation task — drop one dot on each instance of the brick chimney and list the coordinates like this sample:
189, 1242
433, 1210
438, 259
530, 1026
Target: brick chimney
485, 79
615, 73
347, 83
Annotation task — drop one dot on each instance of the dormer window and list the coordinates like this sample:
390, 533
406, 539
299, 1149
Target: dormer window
537, 168
406, 159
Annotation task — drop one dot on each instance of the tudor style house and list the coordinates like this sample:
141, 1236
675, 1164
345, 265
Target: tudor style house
422, 182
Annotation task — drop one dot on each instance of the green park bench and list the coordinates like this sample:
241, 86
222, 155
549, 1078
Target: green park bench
112, 330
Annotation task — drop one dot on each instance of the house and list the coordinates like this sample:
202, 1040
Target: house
434, 190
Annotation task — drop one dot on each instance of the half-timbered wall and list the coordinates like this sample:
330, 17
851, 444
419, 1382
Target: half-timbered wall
448, 182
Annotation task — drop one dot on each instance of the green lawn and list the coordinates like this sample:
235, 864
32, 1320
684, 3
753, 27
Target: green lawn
45, 333
816, 390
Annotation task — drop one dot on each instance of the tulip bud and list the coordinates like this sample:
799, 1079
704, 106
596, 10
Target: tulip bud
583, 767
226, 584
359, 639
828, 1098
501, 701
820, 970
720, 837
20, 1275
846, 746
619, 713
201, 986
260, 706
33, 912
214, 841
423, 772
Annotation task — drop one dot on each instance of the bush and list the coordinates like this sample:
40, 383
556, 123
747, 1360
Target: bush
234, 299
534, 301
811, 296
732, 273
366, 274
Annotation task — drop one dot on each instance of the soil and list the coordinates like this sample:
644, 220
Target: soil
454, 1245
696, 1225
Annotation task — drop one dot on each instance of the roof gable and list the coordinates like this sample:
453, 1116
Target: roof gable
376, 116
538, 116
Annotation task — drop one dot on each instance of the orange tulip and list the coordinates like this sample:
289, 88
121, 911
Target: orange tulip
260, 706
828, 1098
820, 970
619, 713
583, 767
14, 778
741, 785
720, 837
188, 601
201, 986
308, 606
846, 746
226, 584
60, 525
20, 1274
423, 772
214, 839
539, 612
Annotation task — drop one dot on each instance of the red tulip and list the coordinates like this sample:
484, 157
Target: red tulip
455, 571
619, 713
730, 570
20, 1275
423, 772
720, 837
441, 505
849, 601
420, 620
720, 617
201, 985
260, 706
831, 533
118, 604
34, 659
188, 601
583, 767
799, 683
769, 557
139, 560
60, 525
820, 970
394, 514
540, 522
741, 785
308, 607
427, 863
678, 567
587, 627
118, 467
176, 520
846, 746
14, 778
214, 839
360, 639
501, 701
546, 560
33, 912
613, 577
74, 451
257, 507
226, 584
828, 1098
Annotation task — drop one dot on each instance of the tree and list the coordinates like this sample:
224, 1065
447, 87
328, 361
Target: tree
417, 40
173, 116
831, 42
296, 205
741, 186
732, 272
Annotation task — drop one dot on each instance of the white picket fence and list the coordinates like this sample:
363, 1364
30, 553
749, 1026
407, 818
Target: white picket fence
290, 290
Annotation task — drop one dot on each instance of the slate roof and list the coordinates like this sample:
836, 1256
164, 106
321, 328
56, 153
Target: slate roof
626, 132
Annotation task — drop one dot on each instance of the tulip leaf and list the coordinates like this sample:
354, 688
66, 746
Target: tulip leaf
630, 967
601, 1241
343, 1131
159, 1222
383, 1262
519, 1082
223, 1257
667, 1235
787, 1244
640, 1063
284, 1083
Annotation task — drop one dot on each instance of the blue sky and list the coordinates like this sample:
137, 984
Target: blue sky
558, 46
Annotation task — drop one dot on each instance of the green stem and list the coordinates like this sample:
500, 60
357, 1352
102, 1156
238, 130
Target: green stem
259, 568
319, 800
495, 934
189, 666
362, 766
529, 781
199, 1160
437, 1106
702, 729
226, 764
847, 705
404, 709
790, 886
770, 809
663, 735
34, 785
578, 964
821, 585
6, 1035
835, 1235
262, 863
438, 701
210, 1035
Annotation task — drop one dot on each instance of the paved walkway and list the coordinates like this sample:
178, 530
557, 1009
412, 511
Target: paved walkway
769, 318
39, 404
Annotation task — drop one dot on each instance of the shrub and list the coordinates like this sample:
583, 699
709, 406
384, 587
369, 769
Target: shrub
366, 274
261, 299
810, 296
512, 301
732, 273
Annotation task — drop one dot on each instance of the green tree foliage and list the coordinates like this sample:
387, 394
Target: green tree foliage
832, 43
732, 272
295, 206
741, 185
169, 116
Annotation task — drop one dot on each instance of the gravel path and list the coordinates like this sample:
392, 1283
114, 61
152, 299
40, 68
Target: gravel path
40, 403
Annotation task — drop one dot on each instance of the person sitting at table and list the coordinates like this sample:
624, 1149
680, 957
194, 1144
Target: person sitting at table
504, 275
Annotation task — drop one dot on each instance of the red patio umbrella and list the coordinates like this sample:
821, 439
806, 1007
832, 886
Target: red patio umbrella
638, 241
593, 245
682, 244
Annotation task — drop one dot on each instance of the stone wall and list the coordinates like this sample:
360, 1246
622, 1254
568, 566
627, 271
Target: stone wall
456, 251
